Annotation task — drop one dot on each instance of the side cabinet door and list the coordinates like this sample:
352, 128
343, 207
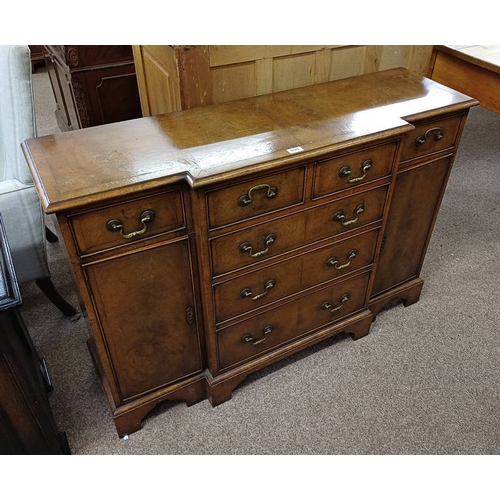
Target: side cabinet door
413, 211
145, 306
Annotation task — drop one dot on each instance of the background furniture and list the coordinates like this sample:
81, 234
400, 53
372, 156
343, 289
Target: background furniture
26, 422
19, 203
222, 239
178, 77
37, 56
471, 69
93, 84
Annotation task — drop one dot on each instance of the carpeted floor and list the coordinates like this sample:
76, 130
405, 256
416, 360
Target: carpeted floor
425, 381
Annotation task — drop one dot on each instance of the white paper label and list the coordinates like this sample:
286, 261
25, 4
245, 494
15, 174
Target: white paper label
298, 149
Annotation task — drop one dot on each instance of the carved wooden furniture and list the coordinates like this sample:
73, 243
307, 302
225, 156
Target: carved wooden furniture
92, 84
211, 242
37, 56
26, 422
175, 77
474, 69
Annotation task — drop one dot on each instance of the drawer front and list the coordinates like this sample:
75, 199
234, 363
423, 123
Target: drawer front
259, 243
256, 336
252, 291
353, 169
92, 230
255, 197
430, 137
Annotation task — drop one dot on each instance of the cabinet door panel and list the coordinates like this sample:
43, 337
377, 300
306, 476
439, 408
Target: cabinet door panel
414, 207
141, 302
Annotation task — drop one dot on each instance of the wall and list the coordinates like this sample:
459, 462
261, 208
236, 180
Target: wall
178, 77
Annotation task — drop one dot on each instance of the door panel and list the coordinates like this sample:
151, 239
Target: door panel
142, 301
413, 211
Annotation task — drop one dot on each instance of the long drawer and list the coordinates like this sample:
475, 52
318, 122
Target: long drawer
269, 239
254, 290
259, 334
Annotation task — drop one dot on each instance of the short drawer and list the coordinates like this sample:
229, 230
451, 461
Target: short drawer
255, 197
250, 292
258, 335
430, 137
270, 239
351, 170
122, 223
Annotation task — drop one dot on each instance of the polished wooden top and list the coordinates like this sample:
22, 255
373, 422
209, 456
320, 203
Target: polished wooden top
206, 144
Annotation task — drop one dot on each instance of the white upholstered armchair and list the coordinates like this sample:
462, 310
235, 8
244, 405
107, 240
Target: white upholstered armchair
19, 203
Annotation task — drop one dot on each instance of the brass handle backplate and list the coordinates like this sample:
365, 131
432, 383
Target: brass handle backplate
115, 225
247, 293
333, 261
246, 199
328, 307
339, 216
438, 135
265, 332
345, 171
246, 247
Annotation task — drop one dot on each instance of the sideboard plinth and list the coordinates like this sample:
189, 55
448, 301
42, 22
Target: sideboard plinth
128, 417
408, 293
220, 388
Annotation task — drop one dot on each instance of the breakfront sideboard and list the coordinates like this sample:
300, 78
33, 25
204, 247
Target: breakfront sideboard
211, 242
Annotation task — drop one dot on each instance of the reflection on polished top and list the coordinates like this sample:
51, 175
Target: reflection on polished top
206, 144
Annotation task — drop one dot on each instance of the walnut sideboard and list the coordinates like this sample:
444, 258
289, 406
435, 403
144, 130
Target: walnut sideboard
211, 242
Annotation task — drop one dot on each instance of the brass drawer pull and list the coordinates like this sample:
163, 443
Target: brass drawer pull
246, 293
345, 171
340, 216
246, 199
115, 225
249, 339
328, 307
333, 261
246, 247
438, 135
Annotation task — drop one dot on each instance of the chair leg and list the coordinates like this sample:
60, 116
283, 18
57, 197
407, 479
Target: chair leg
47, 287
51, 236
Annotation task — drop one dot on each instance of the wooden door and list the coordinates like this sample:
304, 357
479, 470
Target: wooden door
144, 301
413, 211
